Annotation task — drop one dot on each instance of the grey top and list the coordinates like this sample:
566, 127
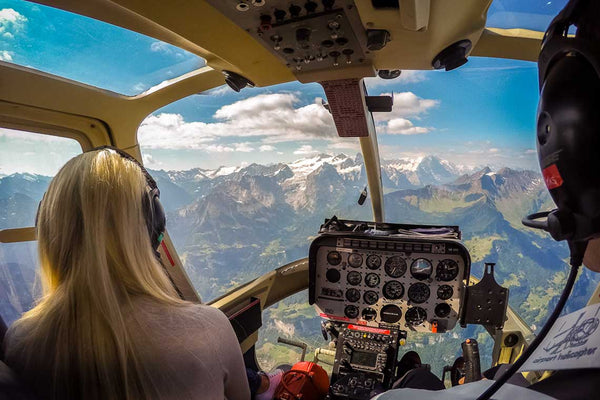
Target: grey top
469, 391
190, 352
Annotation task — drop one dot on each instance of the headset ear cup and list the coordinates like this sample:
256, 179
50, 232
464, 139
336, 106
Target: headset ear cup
159, 220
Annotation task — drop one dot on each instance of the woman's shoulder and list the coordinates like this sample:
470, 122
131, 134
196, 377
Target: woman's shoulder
186, 314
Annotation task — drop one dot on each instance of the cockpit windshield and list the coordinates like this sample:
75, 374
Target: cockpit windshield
248, 178
87, 50
534, 15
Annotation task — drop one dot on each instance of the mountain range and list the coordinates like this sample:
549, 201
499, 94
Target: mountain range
233, 224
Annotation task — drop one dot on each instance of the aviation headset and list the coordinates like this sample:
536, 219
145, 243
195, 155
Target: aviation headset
568, 123
154, 212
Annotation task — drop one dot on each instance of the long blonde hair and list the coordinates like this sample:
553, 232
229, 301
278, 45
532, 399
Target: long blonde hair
95, 257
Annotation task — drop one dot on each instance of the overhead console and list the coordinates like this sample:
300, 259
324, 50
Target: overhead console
405, 277
307, 35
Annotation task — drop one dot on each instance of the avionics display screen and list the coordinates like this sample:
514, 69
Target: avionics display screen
362, 358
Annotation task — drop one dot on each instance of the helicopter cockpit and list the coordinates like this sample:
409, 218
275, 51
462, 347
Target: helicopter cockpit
244, 112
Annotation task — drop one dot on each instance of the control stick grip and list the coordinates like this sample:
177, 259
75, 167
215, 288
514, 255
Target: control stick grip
471, 356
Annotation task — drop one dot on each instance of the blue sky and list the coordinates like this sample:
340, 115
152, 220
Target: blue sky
480, 114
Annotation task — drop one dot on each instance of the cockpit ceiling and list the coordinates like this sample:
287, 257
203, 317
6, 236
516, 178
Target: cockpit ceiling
200, 28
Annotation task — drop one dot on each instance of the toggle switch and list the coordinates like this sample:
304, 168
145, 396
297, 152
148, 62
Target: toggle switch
265, 22
303, 37
348, 53
310, 7
335, 55
295, 10
279, 15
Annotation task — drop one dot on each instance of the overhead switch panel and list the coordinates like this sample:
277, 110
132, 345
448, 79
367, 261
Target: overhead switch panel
305, 35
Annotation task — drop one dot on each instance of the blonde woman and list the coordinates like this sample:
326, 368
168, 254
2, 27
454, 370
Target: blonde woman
110, 324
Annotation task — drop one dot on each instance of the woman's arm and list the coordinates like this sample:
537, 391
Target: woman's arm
236, 382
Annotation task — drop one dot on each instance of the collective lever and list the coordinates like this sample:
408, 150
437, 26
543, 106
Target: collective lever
471, 356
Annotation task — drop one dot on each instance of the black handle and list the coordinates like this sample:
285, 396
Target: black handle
471, 355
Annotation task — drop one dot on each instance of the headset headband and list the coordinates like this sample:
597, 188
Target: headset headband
149, 180
556, 41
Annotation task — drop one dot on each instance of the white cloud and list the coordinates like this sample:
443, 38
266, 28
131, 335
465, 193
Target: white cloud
243, 147
305, 149
267, 147
408, 104
407, 76
345, 144
530, 151
11, 22
6, 55
271, 117
217, 148
220, 91
402, 126
494, 150
160, 47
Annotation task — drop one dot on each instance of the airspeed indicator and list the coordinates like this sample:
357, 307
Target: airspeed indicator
395, 266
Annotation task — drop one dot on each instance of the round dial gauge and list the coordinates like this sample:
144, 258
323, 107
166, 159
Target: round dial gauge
446, 270
445, 292
415, 316
395, 266
442, 310
393, 290
354, 278
334, 257
351, 311
352, 295
369, 314
370, 297
355, 260
332, 275
421, 269
372, 280
418, 293
373, 261
390, 314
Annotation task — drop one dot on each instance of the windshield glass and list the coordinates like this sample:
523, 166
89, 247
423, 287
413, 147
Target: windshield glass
87, 50
534, 15
247, 179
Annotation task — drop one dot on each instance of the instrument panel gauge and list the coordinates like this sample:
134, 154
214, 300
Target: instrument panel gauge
390, 314
370, 297
354, 278
446, 270
445, 292
332, 275
334, 258
415, 316
352, 295
418, 293
395, 266
393, 290
442, 310
351, 311
355, 260
369, 314
372, 280
421, 269
373, 261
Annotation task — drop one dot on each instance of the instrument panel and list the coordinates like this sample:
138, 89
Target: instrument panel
414, 284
